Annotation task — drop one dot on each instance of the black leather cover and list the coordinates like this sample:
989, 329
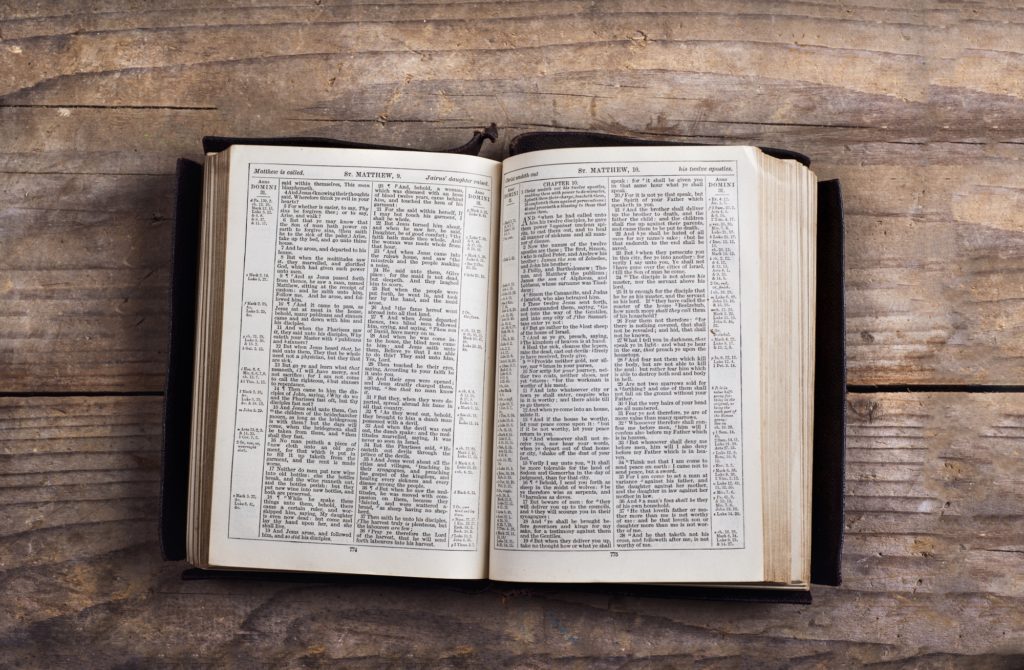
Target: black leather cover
829, 469
829, 395
215, 143
180, 359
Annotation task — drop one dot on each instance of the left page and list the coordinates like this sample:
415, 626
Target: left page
351, 430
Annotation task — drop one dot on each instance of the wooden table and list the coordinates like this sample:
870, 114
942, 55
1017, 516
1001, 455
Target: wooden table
919, 112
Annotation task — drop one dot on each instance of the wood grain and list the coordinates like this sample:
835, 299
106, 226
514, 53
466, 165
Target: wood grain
917, 111
934, 565
916, 108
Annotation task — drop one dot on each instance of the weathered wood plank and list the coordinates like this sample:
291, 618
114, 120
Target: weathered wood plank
935, 493
916, 109
934, 565
892, 59
83, 281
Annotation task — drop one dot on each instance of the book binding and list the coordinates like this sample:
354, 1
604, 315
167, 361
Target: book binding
829, 394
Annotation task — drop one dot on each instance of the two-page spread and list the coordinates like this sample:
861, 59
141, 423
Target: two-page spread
553, 368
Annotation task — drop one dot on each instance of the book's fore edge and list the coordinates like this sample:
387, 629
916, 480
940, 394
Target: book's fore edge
177, 415
510, 589
538, 141
215, 143
829, 466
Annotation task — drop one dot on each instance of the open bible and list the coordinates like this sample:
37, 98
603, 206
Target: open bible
575, 365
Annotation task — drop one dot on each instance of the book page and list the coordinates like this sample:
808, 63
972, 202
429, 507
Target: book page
627, 418
351, 428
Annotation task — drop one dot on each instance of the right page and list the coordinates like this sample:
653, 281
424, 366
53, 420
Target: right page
627, 412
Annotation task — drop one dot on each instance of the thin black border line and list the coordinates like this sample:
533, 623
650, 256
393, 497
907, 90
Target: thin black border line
458, 349
735, 176
676, 175
739, 301
519, 362
488, 177
934, 388
359, 415
628, 162
362, 364
611, 347
707, 362
739, 320
82, 394
238, 363
270, 351
399, 547
492, 538
606, 549
494, 380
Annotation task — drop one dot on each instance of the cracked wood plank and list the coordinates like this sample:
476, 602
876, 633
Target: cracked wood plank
933, 562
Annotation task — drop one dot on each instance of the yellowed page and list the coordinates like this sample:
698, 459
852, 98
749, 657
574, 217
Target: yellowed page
351, 431
627, 407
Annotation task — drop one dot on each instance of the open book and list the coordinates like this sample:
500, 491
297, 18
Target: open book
575, 365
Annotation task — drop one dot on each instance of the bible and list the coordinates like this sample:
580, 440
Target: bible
582, 364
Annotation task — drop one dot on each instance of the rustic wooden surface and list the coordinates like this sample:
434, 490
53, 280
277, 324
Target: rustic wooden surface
919, 111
